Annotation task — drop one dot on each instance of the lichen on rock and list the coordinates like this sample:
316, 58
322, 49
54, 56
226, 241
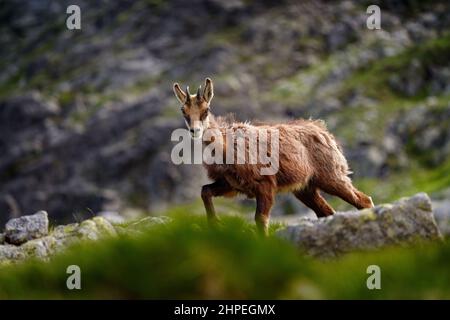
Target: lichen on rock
104, 227
40, 248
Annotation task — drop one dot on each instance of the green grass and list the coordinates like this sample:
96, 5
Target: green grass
401, 184
186, 259
420, 272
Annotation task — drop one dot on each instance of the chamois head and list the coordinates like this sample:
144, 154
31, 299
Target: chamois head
195, 108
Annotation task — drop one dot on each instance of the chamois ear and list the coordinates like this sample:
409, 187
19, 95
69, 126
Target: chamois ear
208, 93
181, 96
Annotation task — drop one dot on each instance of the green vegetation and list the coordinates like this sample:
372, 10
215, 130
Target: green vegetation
418, 179
374, 78
185, 259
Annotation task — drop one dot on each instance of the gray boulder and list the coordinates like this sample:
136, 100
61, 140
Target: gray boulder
403, 222
25, 228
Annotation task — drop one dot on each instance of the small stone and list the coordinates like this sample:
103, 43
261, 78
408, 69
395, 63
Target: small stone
25, 228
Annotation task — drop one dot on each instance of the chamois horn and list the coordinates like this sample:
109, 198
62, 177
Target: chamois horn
199, 95
188, 94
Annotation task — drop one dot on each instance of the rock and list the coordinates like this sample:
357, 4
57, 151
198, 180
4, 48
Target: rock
31, 151
65, 230
441, 209
10, 253
25, 228
368, 159
40, 248
343, 35
65, 236
26, 110
410, 82
104, 227
163, 182
425, 131
2, 238
94, 229
403, 222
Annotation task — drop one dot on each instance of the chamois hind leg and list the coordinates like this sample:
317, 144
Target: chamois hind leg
215, 189
311, 198
344, 189
264, 202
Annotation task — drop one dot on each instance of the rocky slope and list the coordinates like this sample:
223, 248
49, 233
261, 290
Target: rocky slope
86, 116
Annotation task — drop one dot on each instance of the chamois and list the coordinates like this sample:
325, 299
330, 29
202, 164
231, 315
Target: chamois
310, 160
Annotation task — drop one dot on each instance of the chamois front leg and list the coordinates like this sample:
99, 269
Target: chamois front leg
264, 203
215, 189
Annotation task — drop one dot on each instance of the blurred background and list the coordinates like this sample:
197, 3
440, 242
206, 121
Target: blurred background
86, 115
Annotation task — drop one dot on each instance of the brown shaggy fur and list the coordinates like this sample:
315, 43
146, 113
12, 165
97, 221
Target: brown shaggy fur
310, 160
